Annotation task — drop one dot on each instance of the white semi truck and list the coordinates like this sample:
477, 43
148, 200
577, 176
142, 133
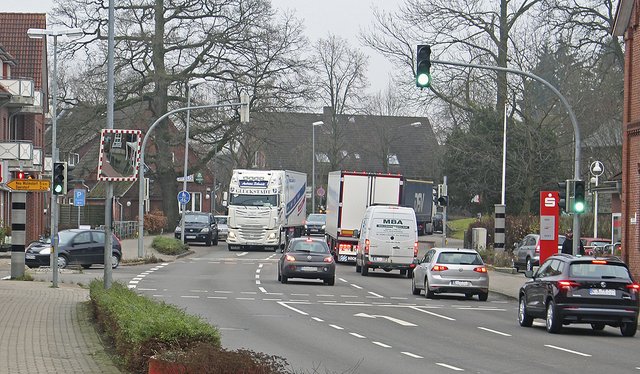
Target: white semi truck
266, 207
348, 196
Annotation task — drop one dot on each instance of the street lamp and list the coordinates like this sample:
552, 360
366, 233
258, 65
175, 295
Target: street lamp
313, 164
41, 34
596, 168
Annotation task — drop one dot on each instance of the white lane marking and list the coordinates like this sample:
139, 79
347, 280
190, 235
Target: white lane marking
299, 294
203, 291
139, 277
131, 286
158, 295
275, 293
258, 271
299, 301
323, 295
222, 292
317, 319
337, 327
568, 350
217, 297
381, 303
356, 286
189, 297
271, 299
258, 282
245, 298
357, 335
214, 262
381, 344
260, 266
134, 282
494, 331
248, 292
449, 366
164, 264
354, 302
411, 354
262, 289
342, 280
147, 289
482, 308
146, 272
432, 313
242, 254
292, 308
376, 295
499, 302
392, 319
348, 295
257, 276
398, 298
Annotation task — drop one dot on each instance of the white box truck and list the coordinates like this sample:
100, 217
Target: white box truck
266, 207
348, 196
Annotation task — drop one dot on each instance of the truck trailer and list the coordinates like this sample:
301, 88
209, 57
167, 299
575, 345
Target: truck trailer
418, 194
348, 196
266, 208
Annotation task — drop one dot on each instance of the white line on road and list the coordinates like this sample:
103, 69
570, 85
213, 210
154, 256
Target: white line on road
292, 308
343, 280
134, 282
257, 276
262, 289
376, 295
214, 262
357, 335
245, 298
275, 293
356, 286
222, 292
411, 355
568, 350
131, 286
432, 313
348, 295
189, 297
204, 291
325, 295
248, 292
481, 308
317, 319
258, 282
392, 319
299, 294
242, 254
258, 271
217, 297
271, 299
381, 344
398, 298
260, 266
449, 366
147, 289
137, 279
494, 331
337, 327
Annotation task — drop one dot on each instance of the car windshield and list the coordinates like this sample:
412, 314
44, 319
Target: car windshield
196, 218
320, 218
221, 220
253, 200
309, 246
459, 258
65, 237
599, 270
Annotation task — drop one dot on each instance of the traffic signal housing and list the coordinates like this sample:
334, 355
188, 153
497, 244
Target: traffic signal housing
563, 187
59, 178
423, 66
578, 204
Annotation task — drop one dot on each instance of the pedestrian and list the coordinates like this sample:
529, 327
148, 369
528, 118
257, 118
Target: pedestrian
567, 246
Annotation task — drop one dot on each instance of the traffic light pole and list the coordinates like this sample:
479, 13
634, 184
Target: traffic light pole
572, 118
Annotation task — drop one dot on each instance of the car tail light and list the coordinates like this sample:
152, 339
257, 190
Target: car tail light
633, 287
480, 269
567, 284
290, 258
328, 259
600, 262
538, 249
415, 249
366, 246
439, 268
309, 240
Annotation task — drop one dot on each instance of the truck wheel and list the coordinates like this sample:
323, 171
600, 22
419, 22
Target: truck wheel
403, 272
365, 270
358, 267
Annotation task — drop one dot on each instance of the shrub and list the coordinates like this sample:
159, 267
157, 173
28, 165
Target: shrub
169, 246
155, 222
140, 327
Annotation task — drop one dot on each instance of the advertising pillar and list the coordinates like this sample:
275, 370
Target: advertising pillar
549, 217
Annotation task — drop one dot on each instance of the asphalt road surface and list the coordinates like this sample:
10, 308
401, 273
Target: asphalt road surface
370, 324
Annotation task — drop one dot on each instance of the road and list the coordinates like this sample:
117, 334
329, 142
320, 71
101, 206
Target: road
371, 324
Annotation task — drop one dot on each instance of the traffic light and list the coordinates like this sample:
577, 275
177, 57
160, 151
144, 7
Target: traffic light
578, 197
423, 66
443, 200
20, 174
59, 178
562, 192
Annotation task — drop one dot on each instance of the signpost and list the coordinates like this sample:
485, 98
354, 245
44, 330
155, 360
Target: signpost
36, 185
549, 217
79, 195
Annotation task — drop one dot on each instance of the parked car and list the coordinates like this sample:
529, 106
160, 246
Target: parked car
307, 258
223, 228
527, 251
437, 222
591, 244
315, 224
450, 270
198, 227
83, 247
569, 289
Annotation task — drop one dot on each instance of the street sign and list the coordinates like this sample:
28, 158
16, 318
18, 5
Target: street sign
199, 178
320, 192
183, 197
79, 195
37, 185
549, 219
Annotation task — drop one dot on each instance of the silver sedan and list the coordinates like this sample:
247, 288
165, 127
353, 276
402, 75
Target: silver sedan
451, 270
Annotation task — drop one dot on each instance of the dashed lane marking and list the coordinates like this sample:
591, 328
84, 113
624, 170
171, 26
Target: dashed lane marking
317, 319
567, 350
357, 335
242, 254
292, 308
189, 297
262, 289
337, 327
356, 286
432, 313
375, 295
494, 331
449, 366
381, 344
411, 355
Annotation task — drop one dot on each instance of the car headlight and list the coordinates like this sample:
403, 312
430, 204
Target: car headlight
206, 229
305, 226
178, 229
324, 226
45, 251
272, 236
232, 235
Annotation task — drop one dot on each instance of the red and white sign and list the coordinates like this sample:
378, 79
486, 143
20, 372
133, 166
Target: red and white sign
549, 217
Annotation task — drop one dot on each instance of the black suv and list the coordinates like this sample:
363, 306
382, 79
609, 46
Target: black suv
198, 227
567, 289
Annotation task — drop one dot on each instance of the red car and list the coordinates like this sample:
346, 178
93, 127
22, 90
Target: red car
591, 243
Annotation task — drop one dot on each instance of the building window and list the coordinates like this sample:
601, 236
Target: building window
393, 159
196, 201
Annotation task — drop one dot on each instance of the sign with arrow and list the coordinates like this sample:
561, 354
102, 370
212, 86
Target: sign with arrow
37, 185
396, 320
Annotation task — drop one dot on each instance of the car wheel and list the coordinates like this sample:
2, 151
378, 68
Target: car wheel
215, 241
529, 264
208, 242
553, 323
279, 277
330, 281
86, 266
414, 289
283, 279
365, 270
599, 326
403, 272
524, 319
115, 261
468, 296
483, 296
629, 328
358, 267
62, 262
427, 293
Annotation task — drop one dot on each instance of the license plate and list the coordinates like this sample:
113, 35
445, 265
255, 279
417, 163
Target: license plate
309, 268
602, 292
30, 257
190, 236
379, 259
461, 283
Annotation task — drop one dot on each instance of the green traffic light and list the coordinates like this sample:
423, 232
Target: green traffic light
579, 207
57, 188
423, 80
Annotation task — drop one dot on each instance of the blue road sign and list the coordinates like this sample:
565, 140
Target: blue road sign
183, 197
79, 196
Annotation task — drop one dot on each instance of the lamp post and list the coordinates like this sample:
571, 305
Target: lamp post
41, 34
596, 168
313, 164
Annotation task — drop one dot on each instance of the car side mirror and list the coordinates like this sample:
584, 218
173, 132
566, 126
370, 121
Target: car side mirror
528, 273
356, 233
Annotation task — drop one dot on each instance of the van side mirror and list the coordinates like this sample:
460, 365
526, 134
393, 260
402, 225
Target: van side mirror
356, 233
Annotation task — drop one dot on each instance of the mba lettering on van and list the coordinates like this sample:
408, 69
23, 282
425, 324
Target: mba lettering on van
392, 223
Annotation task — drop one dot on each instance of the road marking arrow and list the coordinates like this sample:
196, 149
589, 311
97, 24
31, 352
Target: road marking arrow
396, 320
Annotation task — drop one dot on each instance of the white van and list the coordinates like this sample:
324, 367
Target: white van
388, 240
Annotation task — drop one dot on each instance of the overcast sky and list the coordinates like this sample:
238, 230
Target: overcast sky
340, 17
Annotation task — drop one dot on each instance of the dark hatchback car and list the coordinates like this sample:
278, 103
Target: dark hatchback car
307, 258
568, 289
198, 227
315, 224
75, 247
